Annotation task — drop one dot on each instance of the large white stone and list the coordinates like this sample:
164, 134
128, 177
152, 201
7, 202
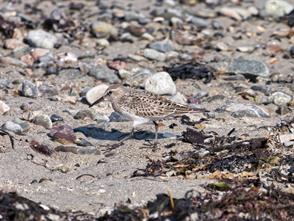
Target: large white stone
278, 8
160, 83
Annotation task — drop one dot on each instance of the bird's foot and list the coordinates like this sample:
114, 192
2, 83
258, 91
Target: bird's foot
152, 144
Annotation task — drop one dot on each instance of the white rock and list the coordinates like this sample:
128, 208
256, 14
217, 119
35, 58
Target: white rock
287, 139
160, 83
42, 39
96, 93
3, 107
278, 8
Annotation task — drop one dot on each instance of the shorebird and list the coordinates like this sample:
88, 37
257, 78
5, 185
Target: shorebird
143, 107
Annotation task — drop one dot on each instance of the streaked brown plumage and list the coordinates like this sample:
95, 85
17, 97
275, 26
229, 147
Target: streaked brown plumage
143, 107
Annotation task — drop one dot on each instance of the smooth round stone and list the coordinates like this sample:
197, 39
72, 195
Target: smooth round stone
13, 127
84, 114
63, 134
154, 55
3, 107
24, 124
292, 51
102, 72
43, 120
160, 83
280, 98
56, 118
96, 93
42, 39
103, 30
278, 8
28, 89
245, 110
249, 68
162, 46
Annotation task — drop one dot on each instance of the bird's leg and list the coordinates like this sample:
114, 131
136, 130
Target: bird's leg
130, 135
156, 125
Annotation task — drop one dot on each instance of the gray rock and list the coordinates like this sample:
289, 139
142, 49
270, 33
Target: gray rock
160, 83
199, 22
42, 39
3, 107
245, 110
12, 127
162, 46
104, 30
43, 120
28, 89
5, 83
249, 68
280, 98
102, 72
154, 55
277, 8
24, 124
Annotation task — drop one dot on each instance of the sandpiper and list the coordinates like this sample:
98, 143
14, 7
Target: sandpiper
143, 107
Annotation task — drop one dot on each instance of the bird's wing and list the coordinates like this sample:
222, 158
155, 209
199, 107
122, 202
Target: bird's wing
145, 104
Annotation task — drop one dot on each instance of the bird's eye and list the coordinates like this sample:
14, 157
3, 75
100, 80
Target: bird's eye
109, 92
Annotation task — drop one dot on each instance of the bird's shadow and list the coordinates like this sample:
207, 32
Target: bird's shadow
116, 135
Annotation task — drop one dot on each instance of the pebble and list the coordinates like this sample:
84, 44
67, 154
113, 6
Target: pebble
162, 46
278, 8
24, 124
154, 55
96, 93
280, 98
102, 72
84, 114
249, 68
55, 118
160, 83
43, 120
63, 134
239, 110
3, 107
199, 22
28, 89
287, 139
292, 51
12, 127
12, 61
42, 39
104, 30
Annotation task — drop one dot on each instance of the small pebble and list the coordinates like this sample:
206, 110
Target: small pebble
28, 89
3, 107
154, 55
43, 120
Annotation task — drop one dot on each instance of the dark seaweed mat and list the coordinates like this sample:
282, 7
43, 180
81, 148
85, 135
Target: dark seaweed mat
248, 201
17, 208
